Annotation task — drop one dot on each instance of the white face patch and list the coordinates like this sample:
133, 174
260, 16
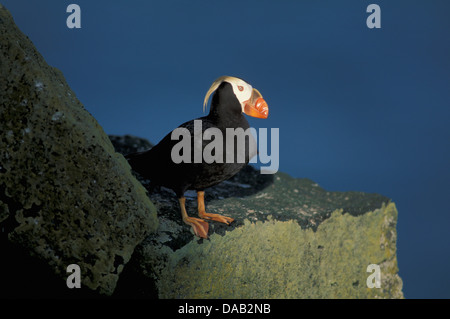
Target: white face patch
241, 89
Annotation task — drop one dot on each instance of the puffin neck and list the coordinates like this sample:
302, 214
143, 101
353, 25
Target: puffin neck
225, 108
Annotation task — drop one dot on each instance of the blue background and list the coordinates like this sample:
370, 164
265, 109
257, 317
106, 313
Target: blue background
358, 109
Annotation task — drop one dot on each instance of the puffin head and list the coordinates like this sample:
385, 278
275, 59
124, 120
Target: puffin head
251, 101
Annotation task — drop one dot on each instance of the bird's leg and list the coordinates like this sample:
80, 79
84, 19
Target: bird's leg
199, 226
203, 214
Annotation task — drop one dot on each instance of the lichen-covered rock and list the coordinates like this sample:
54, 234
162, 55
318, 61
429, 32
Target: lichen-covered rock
279, 259
290, 239
65, 195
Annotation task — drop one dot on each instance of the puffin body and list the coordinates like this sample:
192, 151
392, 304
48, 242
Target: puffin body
232, 98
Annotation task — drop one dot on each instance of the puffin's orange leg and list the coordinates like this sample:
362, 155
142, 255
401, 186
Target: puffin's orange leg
203, 214
199, 226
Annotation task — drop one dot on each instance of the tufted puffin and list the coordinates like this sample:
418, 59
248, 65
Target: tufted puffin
232, 98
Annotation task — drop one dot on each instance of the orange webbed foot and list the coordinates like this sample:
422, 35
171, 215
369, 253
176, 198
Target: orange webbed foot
203, 214
216, 217
199, 226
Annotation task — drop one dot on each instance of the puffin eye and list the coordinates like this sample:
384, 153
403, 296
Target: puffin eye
240, 88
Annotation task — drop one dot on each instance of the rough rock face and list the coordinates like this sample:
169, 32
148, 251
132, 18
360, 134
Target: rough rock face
290, 239
66, 197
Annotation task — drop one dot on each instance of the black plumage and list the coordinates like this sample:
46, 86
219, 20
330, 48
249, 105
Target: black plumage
156, 164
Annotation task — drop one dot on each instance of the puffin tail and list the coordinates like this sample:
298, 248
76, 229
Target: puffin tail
137, 161
132, 156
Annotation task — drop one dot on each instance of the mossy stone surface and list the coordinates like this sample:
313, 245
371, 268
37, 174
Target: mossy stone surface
290, 239
279, 259
65, 195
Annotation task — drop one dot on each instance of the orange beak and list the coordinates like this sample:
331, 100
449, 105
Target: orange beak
256, 106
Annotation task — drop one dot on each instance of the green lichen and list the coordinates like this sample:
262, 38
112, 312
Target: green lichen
65, 195
279, 259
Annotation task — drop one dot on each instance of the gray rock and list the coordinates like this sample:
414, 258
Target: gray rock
66, 197
290, 239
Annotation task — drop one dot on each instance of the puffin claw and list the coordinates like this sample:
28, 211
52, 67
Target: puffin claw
203, 214
199, 226
216, 217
